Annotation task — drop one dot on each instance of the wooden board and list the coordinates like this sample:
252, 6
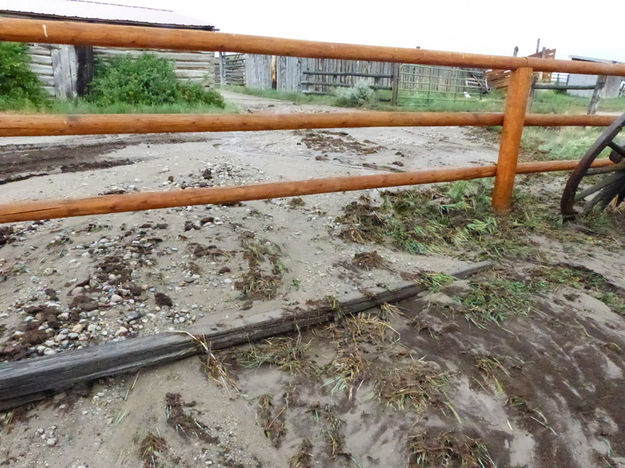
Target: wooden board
32, 379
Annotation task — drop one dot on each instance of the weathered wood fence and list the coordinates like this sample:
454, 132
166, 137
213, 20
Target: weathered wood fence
513, 119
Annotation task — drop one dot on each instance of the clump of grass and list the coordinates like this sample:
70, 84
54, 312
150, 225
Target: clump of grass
152, 450
447, 449
266, 270
415, 384
183, 422
331, 426
368, 260
490, 368
497, 299
545, 143
272, 422
303, 456
284, 352
457, 220
435, 281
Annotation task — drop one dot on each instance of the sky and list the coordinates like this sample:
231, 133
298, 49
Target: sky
486, 26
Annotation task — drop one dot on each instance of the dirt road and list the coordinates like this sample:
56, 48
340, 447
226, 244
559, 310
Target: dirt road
420, 384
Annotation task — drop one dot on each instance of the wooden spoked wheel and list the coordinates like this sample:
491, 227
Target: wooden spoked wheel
611, 181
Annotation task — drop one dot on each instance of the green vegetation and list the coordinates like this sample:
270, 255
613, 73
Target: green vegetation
356, 96
146, 80
545, 143
19, 86
146, 84
457, 220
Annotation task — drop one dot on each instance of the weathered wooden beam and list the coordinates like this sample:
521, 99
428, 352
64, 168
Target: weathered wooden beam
64, 208
73, 32
98, 124
32, 379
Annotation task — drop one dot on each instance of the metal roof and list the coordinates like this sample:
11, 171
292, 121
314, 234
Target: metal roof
590, 59
101, 12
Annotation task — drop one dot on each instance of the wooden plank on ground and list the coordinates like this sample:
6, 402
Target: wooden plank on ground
29, 380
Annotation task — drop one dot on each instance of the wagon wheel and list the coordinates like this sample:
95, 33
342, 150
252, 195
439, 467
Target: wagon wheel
611, 186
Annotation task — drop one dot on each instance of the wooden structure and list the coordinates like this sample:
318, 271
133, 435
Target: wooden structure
230, 69
30, 380
66, 69
514, 118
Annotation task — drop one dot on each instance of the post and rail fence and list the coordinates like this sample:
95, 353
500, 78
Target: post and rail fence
513, 119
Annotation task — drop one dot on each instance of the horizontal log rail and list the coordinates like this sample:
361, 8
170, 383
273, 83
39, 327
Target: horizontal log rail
48, 209
93, 124
70, 32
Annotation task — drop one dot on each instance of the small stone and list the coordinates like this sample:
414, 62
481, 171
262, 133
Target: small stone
77, 291
122, 331
49, 352
78, 328
115, 298
51, 442
49, 271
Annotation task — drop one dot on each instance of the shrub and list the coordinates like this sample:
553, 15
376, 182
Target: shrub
145, 80
356, 96
195, 93
19, 86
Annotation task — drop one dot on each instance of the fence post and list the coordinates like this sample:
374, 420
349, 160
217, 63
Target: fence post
395, 84
596, 94
516, 104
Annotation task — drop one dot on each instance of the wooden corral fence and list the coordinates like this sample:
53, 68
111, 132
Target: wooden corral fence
230, 69
513, 119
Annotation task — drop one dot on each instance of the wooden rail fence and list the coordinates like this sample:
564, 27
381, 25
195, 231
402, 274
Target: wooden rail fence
513, 119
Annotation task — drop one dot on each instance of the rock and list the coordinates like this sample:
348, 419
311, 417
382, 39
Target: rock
78, 328
163, 300
49, 271
49, 352
51, 442
116, 298
122, 331
77, 291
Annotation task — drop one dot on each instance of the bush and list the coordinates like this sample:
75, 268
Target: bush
19, 86
356, 96
145, 80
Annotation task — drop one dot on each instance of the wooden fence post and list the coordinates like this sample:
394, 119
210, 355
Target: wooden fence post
395, 84
514, 116
596, 94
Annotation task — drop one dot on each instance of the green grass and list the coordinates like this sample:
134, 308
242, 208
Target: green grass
545, 143
81, 106
457, 220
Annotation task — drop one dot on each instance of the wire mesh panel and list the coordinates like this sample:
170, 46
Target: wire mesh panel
436, 83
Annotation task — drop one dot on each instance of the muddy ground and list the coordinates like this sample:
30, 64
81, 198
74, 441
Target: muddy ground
521, 365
